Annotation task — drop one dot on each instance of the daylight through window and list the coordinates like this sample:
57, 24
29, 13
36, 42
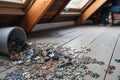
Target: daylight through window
76, 4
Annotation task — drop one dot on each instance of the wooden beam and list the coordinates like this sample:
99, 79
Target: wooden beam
28, 4
60, 10
35, 13
93, 7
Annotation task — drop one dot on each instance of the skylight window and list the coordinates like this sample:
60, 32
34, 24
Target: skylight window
76, 4
14, 1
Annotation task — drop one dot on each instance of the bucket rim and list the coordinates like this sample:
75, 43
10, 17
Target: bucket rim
11, 31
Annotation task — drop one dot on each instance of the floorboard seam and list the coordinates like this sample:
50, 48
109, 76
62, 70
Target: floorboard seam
6, 69
95, 38
79, 36
69, 41
112, 55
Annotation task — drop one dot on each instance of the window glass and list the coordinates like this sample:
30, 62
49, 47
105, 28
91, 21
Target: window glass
76, 4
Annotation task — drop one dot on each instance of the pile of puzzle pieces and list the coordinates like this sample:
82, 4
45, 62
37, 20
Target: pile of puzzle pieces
40, 61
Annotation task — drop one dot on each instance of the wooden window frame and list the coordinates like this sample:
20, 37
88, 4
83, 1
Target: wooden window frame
15, 8
89, 11
35, 14
13, 4
77, 9
13, 1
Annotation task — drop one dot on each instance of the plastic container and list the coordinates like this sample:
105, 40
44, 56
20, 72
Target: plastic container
10, 33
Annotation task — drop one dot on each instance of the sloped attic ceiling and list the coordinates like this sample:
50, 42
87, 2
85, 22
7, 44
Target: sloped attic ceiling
14, 1
32, 12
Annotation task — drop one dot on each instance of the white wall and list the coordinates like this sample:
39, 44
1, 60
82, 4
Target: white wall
52, 25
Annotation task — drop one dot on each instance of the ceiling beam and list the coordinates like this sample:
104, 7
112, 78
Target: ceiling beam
60, 10
35, 13
89, 11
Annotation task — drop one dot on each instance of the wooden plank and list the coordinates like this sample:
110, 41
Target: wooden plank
56, 35
54, 10
60, 9
28, 4
64, 13
14, 1
11, 11
88, 12
116, 55
87, 38
65, 36
3, 74
86, 6
102, 48
35, 13
76, 34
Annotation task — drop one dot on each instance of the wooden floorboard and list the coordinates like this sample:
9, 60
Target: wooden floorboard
104, 43
86, 38
116, 55
52, 37
102, 50
102, 47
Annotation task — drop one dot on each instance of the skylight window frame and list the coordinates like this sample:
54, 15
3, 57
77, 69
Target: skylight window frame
13, 1
13, 4
76, 9
15, 8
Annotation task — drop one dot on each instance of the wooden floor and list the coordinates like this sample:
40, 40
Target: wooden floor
103, 41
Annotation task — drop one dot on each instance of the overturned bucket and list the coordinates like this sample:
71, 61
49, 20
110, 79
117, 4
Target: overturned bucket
10, 33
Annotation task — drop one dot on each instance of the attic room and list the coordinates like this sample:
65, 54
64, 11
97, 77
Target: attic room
59, 40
